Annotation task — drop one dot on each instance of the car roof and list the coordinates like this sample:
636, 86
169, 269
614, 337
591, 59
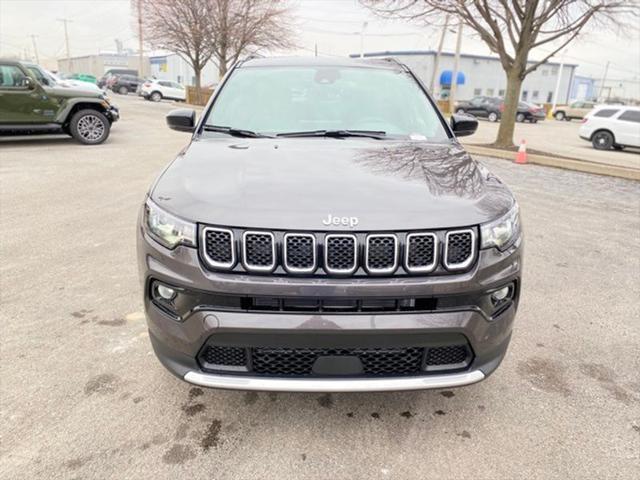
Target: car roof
304, 61
618, 107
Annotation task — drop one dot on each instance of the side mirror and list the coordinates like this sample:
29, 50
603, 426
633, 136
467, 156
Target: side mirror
28, 83
183, 120
463, 124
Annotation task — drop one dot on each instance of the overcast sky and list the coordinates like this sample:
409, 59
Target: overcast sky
333, 25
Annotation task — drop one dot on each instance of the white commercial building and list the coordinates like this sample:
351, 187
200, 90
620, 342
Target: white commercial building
171, 66
483, 75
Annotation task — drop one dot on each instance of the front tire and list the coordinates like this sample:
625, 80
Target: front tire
520, 117
123, 90
560, 116
493, 117
460, 111
155, 96
602, 140
89, 127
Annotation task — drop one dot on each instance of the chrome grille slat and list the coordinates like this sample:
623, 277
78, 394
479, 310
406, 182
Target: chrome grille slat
258, 251
219, 247
381, 253
459, 249
299, 253
421, 252
340, 253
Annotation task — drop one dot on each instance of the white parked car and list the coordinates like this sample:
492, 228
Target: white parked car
612, 126
155, 90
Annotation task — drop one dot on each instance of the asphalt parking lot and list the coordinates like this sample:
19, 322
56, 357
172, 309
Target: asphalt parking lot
558, 138
83, 396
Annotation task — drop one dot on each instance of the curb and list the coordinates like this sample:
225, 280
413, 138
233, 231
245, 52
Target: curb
566, 163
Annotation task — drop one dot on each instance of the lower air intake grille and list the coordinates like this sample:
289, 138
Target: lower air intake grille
447, 355
375, 361
460, 249
229, 356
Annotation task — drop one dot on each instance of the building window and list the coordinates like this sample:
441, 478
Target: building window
545, 72
554, 70
179, 79
490, 92
501, 92
549, 97
525, 95
534, 95
477, 91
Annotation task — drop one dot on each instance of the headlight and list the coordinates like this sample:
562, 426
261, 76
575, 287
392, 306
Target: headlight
501, 233
168, 229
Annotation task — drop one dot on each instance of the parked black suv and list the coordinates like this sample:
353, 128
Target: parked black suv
325, 231
126, 84
491, 108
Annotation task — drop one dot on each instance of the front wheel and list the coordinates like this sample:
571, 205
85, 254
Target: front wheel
123, 90
560, 116
493, 117
460, 111
520, 117
155, 96
89, 127
534, 120
602, 140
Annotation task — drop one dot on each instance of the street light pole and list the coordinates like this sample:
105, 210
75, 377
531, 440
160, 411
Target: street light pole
35, 48
454, 76
436, 61
141, 56
604, 79
66, 41
555, 94
364, 26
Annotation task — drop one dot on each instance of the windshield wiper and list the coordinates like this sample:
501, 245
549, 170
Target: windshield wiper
236, 132
378, 134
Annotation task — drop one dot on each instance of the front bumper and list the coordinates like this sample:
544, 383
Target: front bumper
113, 113
177, 343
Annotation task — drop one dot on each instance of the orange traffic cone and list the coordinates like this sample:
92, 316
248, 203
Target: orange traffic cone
521, 157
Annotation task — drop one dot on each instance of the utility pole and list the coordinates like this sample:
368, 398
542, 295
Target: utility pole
456, 64
141, 55
66, 41
35, 48
604, 79
364, 27
436, 61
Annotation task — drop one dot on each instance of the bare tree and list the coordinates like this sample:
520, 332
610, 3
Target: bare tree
245, 26
513, 28
183, 27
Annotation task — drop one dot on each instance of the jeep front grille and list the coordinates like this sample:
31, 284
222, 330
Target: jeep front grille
339, 254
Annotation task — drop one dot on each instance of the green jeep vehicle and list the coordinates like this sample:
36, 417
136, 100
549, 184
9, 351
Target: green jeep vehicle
28, 106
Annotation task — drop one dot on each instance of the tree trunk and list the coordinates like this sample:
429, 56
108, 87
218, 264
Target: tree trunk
222, 67
508, 117
197, 72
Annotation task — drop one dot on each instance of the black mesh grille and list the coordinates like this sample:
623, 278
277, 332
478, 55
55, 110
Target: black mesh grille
421, 250
230, 356
300, 252
447, 355
259, 249
381, 253
341, 253
219, 246
299, 361
459, 247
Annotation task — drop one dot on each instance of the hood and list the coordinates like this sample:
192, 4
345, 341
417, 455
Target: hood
295, 184
73, 91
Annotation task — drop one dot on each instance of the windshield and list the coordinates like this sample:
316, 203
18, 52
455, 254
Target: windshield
280, 100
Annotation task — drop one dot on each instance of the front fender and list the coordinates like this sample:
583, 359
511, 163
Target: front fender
84, 102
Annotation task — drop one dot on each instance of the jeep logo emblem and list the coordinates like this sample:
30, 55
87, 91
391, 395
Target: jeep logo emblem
350, 222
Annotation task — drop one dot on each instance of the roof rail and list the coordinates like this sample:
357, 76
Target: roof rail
387, 59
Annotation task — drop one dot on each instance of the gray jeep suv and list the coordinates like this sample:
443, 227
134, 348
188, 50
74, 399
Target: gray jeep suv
325, 231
